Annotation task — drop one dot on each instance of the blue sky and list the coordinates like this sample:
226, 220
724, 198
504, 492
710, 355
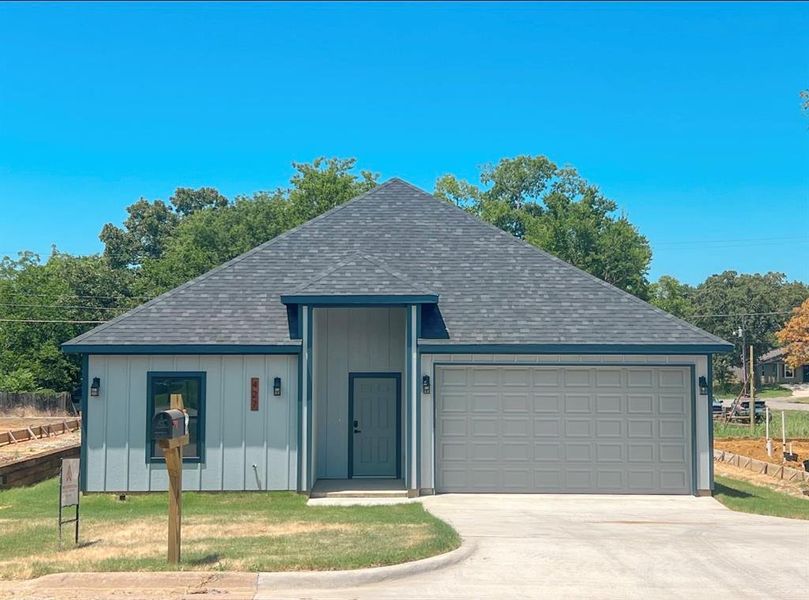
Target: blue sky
687, 115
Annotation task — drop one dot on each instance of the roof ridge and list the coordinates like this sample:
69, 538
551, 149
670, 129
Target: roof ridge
598, 280
236, 259
358, 254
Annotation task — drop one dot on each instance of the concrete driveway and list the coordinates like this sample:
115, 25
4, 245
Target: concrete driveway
553, 546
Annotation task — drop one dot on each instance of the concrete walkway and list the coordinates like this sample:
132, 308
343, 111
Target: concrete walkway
603, 547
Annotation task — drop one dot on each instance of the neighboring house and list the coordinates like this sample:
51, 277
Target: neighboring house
771, 369
397, 336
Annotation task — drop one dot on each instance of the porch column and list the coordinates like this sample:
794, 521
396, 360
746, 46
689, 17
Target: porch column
411, 391
306, 400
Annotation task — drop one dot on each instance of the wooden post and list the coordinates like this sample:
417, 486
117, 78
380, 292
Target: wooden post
173, 452
752, 390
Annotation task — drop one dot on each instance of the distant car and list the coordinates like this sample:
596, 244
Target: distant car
760, 412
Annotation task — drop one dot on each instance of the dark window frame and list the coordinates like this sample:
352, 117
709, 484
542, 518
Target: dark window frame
150, 408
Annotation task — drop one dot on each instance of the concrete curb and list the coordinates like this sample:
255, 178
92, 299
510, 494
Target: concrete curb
339, 579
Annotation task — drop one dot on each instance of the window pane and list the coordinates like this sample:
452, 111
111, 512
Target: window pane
189, 388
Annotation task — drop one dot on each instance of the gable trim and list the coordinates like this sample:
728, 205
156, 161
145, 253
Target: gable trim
573, 348
359, 299
181, 349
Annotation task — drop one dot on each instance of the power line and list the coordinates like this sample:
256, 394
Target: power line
50, 321
61, 306
77, 296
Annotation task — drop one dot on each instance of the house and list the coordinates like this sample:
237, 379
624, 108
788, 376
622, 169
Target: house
396, 336
772, 369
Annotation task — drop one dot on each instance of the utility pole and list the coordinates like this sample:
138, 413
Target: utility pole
752, 370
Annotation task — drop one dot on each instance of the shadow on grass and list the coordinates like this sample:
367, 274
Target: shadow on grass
208, 559
730, 492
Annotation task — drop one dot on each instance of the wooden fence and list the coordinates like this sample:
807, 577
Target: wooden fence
14, 402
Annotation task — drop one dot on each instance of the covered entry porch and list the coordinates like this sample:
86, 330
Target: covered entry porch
358, 406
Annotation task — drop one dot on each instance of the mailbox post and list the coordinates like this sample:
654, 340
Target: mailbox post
169, 429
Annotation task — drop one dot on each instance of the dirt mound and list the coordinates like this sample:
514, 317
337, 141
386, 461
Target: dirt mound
757, 448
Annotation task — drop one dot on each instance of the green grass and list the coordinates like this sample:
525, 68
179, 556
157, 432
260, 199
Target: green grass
797, 427
257, 531
749, 498
767, 391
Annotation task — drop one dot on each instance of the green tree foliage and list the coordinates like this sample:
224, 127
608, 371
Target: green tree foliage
557, 210
150, 225
745, 309
39, 297
215, 233
674, 297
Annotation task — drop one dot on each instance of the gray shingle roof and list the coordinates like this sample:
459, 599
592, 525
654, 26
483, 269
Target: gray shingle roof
493, 288
360, 275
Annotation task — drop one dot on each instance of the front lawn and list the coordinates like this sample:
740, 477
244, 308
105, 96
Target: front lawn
767, 391
749, 498
797, 426
221, 531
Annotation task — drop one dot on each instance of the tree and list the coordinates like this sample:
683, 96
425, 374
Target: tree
795, 336
674, 297
557, 210
44, 302
746, 309
214, 233
150, 225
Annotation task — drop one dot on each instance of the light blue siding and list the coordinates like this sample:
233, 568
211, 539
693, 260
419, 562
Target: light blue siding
235, 437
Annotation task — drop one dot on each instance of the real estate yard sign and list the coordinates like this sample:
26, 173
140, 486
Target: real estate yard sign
69, 494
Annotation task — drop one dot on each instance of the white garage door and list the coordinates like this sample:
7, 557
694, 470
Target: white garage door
563, 429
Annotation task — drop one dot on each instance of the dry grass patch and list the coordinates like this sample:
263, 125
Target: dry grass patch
222, 531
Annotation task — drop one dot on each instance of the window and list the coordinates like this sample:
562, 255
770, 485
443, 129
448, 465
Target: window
192, 388
789, 372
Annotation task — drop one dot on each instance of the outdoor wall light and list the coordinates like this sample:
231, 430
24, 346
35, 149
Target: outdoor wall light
425, 384
276, 386
703, 386
95, 387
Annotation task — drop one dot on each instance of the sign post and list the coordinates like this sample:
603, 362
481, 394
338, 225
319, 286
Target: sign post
69, 495
173, 452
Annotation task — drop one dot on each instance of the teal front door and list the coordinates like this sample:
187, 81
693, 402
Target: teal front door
374, 425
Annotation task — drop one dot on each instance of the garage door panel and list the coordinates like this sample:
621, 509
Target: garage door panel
547, 428
609, 428
516, 403
547, 403
608, 378
578, 428
673, 404
512, 427
606, 452
609, 403
563, 429
640, 428
484, 427
547, 452
578, 452
640, 404
578, 403
641, 453
672, 429
453, 426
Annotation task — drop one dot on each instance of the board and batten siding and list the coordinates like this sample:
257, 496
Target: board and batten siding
349, 340
235, 437
703, 416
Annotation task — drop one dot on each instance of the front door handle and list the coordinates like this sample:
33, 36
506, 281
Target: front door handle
356, 424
